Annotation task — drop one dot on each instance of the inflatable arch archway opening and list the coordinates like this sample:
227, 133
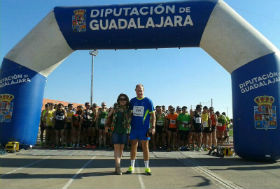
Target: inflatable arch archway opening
251, 59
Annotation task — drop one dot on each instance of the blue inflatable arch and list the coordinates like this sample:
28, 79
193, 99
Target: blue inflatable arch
251, 59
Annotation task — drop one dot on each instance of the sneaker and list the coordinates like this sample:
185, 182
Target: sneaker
130, 170
148, 171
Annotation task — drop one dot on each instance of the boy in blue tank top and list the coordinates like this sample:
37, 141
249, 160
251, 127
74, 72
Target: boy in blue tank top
142, 110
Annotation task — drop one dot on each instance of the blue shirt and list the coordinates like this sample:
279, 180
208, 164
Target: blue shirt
141, 109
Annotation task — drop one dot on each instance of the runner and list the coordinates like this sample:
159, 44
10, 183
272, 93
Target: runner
191, 132
69, 124
227, 128
118, 118
197, 126
77, 121
50, 134
213, 118
59, 125
101, 120
142, 108
86, 123
43, 125
221, 127
92, 128
206, 123
160, 132
171, 128
184, 120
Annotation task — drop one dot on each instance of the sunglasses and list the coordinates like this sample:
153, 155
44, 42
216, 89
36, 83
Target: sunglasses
122, 99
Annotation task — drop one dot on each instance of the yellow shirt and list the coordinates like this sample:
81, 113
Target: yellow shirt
69, 115
49, 121
204, 118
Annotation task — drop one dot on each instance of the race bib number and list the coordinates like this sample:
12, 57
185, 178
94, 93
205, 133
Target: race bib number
60, 118
138, 111
103, 121
198, 120
185, 122
160, 123
220, 125
205, 124
172, 121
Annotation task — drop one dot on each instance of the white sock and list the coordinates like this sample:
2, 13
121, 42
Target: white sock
146, 164
132, 163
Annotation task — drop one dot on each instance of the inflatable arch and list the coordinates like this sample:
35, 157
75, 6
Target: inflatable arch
251, 59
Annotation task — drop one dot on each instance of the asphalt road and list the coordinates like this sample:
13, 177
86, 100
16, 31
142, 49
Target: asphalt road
63, 169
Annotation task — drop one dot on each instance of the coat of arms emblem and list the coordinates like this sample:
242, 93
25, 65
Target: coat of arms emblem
6, 108
79, 20
265, 113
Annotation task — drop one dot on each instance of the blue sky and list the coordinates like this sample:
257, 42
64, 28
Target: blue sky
185, 76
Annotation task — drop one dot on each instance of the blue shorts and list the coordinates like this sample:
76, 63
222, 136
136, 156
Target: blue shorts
139, 134
119, 138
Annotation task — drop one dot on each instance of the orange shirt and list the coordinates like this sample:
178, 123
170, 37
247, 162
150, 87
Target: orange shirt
172, 120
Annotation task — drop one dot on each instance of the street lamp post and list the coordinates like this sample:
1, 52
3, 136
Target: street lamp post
93, 53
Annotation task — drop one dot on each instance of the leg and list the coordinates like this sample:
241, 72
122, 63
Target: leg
117, 155
104, 137
56, 137
100, 138
169, 139
174, 139
133, 151
214, 138
145, 147
209, 139
199, 139
204, 138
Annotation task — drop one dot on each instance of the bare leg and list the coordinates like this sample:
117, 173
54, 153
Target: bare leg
133, 151
145, 147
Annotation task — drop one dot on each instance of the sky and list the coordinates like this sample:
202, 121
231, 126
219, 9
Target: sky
171, 76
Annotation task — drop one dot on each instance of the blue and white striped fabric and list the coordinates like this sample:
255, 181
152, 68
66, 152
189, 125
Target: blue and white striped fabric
245, 53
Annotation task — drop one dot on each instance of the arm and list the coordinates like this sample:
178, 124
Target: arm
109, 120
166, 123
153, 128
96, 122
53, 117
209, 120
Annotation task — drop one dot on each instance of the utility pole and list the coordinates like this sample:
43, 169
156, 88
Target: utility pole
93, 53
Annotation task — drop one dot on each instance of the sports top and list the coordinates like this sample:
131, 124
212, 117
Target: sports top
160, 118
141, 109
204, 119
184, 121
172, 120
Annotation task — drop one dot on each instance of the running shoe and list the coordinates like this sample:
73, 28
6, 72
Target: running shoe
148, 171
130, 170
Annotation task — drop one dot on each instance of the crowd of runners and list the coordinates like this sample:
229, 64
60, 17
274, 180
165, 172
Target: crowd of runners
176, 128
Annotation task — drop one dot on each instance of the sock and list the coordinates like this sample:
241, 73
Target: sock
132, 163
146, 164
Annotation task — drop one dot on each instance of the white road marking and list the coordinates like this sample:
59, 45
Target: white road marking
28, 165
80, 170
139, 176
201, 170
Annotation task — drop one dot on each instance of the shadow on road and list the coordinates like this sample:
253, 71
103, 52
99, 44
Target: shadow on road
108, 163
